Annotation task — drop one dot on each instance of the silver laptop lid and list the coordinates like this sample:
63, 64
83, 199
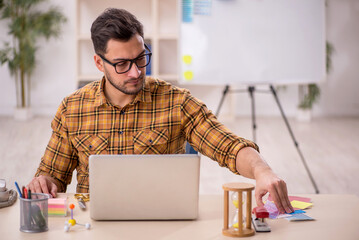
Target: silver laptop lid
144, 187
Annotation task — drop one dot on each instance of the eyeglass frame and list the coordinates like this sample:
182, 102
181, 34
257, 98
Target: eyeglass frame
149, 54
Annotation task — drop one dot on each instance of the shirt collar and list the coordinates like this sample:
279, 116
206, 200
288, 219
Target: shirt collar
143, 96
100, 97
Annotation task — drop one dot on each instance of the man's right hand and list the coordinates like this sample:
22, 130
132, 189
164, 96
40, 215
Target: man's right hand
43, 184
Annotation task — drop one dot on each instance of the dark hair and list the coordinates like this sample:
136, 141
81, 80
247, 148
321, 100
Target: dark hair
114, 23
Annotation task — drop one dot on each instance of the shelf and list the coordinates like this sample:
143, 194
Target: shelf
168, 36
168, 56
90, 9
90, 78
168, 77
86, 37
168, 17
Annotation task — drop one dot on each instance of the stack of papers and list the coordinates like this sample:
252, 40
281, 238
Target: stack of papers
298, 203
57, 207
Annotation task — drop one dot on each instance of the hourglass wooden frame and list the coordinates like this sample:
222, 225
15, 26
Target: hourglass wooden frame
239, 188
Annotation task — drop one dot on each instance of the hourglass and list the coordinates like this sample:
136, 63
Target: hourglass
237, 229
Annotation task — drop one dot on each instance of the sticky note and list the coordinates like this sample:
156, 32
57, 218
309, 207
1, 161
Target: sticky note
292, 198
57, 206
187, 59
188, 75
300, 205
297, 211
301, 199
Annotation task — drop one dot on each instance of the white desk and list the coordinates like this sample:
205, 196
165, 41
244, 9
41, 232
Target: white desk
337, 218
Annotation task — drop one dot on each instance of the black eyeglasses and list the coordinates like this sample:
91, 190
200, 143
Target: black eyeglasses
124, 65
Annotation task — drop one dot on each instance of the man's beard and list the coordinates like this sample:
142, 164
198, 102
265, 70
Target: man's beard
122, 88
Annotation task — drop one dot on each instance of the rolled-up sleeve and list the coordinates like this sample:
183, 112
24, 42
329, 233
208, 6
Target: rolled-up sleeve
208, 136
60, 159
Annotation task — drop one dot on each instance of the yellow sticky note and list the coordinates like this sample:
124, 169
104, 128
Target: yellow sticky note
300, 205
187, 59
188, 75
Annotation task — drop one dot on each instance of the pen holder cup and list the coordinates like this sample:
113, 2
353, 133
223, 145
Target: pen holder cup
33, 213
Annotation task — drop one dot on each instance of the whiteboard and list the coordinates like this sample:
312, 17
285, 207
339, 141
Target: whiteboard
253, 42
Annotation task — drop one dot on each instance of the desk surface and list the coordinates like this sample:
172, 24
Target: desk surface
337, 217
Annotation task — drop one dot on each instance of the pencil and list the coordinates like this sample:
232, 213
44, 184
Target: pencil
25, 193
18, 189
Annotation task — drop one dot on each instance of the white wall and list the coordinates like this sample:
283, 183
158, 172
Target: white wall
340, 92
54, 77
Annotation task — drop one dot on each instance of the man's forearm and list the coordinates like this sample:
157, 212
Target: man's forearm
249, 163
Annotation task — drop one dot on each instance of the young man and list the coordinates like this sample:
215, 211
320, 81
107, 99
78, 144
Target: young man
129, 113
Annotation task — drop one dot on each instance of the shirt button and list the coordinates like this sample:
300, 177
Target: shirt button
120, 132
90, 147
150, 140
122, 112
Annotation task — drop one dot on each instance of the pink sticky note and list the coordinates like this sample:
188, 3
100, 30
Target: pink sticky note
291, 198
301, 199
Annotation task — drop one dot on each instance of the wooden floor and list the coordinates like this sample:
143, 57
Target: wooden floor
329, 145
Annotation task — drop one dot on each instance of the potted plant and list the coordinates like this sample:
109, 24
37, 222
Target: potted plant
26, 24
310, 93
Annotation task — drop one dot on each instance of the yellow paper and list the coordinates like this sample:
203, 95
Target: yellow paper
188, 75
300, 205
187, 59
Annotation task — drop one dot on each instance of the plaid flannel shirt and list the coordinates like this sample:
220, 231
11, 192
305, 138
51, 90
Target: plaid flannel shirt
159, 120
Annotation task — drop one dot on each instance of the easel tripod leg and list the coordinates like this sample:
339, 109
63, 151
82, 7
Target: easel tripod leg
251, 90
294, 140
224, 94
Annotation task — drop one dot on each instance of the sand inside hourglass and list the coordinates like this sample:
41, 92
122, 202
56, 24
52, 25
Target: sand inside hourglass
234, 198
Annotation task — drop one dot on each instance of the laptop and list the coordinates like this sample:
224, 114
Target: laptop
144, 187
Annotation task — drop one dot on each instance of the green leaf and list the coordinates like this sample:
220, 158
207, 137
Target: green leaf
312, 96
329, 53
